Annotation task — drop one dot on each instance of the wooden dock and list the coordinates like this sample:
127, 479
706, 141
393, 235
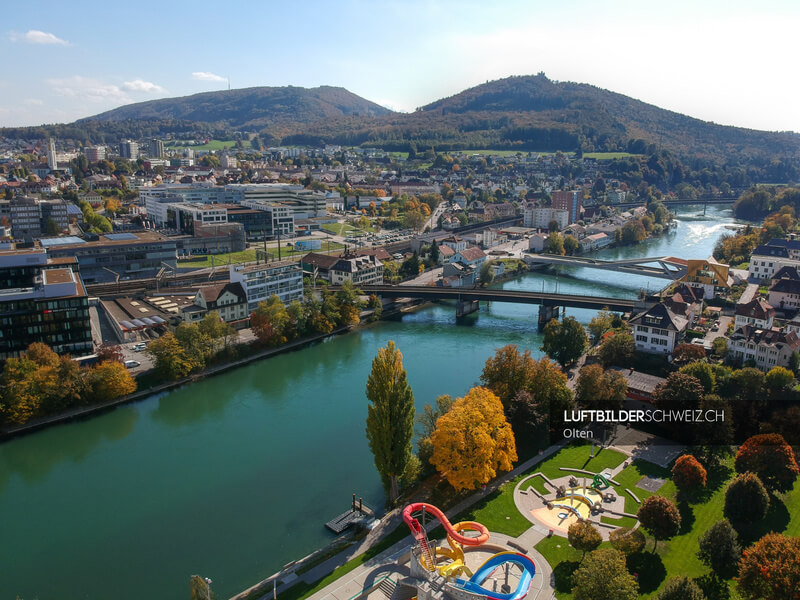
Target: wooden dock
356, 512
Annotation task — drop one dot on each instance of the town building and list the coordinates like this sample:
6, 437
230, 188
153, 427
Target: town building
129, 149
707, 274
569, 201
116, 256
94, 153
364, 269
658, 330
541, 217
156, 149
785, 294
757, 313
767, 348
766, 260
261, 281
595, 242
229, 300
455, 243
472, 256
537, 242
51, 307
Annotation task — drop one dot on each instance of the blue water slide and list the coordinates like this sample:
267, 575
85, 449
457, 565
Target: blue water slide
475, 586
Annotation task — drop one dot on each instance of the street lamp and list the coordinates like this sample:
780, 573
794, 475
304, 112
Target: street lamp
208, 587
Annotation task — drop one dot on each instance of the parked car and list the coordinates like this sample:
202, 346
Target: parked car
140, 347
132, 364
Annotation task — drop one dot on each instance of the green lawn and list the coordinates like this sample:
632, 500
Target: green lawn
576, 456
536, 482
249, 255
608, 155
211, 145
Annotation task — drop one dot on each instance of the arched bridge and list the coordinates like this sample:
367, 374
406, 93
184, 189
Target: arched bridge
481, 294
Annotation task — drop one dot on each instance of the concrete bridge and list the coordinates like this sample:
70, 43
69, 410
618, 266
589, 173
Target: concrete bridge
667, 267
468, 299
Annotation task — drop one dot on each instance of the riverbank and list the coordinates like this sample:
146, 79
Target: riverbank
7, 433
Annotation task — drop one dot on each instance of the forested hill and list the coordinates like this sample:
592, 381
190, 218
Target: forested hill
535, 113
528, 113
250, 108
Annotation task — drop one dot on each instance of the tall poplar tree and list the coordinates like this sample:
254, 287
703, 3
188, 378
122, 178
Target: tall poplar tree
390, 417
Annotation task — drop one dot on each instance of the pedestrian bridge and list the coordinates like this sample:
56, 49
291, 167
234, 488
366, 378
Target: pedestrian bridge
663, 267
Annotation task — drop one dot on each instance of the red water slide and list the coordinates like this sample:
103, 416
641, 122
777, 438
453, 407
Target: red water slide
418, 533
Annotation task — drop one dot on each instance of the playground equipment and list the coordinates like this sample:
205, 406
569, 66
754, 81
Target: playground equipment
600, 483
475, 583
456, 587
455, 539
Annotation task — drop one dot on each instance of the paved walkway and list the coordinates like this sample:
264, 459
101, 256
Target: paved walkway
364, 576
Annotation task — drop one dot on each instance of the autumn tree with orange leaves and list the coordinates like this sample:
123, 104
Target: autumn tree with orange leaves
473, 442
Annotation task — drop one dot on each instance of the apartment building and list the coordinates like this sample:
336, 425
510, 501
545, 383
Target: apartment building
767, 348
260, 281
540, 217
569, 201
658, 330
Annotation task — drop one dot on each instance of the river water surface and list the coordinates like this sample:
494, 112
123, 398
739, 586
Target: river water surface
234, 476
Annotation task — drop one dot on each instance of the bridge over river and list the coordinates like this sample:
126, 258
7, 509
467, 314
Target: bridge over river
468, 299
668, 267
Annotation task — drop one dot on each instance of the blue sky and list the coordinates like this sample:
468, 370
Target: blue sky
730, 62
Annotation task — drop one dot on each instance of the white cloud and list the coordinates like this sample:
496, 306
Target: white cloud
34, 36
93, 90
207, 76
34, 102
139, 85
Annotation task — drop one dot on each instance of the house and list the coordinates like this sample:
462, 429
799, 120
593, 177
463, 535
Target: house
227, 299
708, 274
766, 260
446, 254
792, 246
595, 242
685, 302
456, 243
537, 242
640, 385
658, 330
457, 275
756, 313
785, 293
767, 348
787, 272
360, 270
472, 256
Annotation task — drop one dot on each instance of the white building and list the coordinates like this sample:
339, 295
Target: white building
540, 217
283, 279
658, 330
361, 270
767, 260
756, 313
767, 348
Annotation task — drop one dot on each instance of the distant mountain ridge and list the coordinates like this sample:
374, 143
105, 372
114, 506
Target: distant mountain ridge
250, 107
527, 113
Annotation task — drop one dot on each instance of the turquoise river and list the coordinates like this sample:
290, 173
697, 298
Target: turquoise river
234, 476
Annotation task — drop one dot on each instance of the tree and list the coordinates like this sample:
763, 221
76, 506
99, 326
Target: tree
720, 549
215, 328
195, 344
427, 425
200, 588
771, 458
626, 540
269, 321
584, 537
617, 349
571, 244
475, 422
600, 324
51, 227
565, 341
746, 499
599, 389
508, 372
680, 391
20, 400
702, 371
434, 252
719, 347
109, 352
410, 266
553, 226
349, 305
660, 518
770, 569
555, 243
778, 379
171, 360
604, 576
111, 380
688, 474
390, 417
680, 588
633, 232
551, 396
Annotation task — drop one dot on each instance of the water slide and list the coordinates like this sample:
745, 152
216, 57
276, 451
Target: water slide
475, 583
455, 539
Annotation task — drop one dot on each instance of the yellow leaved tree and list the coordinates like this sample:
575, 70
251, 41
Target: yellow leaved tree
473, 441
